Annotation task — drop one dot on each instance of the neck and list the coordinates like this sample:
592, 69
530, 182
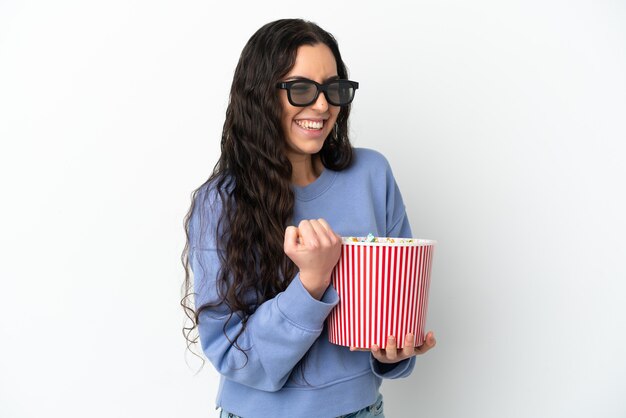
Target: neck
305, 169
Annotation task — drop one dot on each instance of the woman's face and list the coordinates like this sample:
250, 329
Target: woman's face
306, 128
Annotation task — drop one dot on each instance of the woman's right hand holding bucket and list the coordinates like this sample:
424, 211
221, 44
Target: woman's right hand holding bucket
315, 248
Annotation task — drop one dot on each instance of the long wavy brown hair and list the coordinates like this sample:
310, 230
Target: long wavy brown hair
253, 176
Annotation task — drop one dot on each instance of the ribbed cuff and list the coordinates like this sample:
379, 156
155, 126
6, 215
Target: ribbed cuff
392, 371
302, 309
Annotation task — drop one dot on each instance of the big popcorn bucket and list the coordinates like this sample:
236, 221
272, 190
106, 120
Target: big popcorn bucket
383, 288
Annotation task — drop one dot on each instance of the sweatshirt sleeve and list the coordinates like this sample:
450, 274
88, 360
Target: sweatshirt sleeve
276, 335
275, 338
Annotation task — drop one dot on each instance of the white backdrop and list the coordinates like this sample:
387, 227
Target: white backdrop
504, 123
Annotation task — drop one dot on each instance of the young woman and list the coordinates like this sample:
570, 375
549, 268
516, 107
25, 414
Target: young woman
264, 233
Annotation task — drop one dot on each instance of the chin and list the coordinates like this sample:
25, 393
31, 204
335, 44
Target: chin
312, 148
306, 148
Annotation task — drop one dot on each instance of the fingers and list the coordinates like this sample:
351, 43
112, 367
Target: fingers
428, 344
334, 237
393, 354
316, 233
378, 354
321, 233
291, 239
308, 234
409, 345
324, 233
430, 339
391, 350
315, 250
389, 354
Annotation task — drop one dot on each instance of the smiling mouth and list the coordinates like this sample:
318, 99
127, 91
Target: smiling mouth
313, 125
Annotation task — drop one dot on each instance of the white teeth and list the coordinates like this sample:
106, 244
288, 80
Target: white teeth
310, 124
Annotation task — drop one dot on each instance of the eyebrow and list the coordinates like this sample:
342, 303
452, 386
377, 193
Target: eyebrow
297, 77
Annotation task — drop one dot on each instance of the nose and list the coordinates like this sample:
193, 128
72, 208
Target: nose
321, 104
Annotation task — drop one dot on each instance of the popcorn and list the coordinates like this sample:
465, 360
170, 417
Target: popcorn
381, 240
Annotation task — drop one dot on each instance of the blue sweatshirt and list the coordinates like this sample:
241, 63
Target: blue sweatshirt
361, 199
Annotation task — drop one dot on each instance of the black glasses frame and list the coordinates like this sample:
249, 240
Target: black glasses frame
286, 85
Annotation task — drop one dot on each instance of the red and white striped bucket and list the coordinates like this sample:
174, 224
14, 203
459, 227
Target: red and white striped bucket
383, 290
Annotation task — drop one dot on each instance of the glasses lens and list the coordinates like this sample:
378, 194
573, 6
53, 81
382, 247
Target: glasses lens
340, 92
303, 92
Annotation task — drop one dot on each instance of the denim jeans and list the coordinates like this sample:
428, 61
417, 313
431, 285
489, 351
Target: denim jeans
374, 410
